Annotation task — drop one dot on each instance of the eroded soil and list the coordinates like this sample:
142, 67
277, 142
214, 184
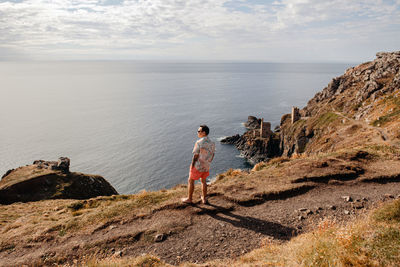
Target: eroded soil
220, 229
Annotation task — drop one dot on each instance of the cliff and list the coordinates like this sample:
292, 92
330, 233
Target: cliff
51, 180
360, 109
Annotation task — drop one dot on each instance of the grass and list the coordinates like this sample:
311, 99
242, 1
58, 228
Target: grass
381, 121
392, 104
229, 174
103, 209
389, 213
142, 261
23, 222
382, 150
325, 119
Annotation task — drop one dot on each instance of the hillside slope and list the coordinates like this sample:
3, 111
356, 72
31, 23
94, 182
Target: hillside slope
358, 110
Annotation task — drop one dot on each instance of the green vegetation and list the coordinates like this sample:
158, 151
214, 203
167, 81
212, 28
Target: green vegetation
385, 119
325, 119
382, 150
142, 261
394, 113
389, 213
296, 127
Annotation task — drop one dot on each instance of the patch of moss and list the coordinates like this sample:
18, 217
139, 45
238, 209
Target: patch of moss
326, 119
295, 128
389, 213
378, 150
387, 118
385, 245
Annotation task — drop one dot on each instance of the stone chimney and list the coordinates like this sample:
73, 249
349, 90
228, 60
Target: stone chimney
265, 129
295, 114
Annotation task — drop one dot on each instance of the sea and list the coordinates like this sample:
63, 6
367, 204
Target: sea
135, 122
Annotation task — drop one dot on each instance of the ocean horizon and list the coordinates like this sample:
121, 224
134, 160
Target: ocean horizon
135, 122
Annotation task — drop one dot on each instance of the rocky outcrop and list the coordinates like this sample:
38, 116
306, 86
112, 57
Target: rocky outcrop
51, 180
253, 147
62, 164
361, 84
252, 123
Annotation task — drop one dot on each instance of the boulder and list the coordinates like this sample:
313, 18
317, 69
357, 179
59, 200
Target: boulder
51, 180
230, 139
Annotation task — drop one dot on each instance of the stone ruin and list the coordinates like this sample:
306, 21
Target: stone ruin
62, 164
264, 131
295, 114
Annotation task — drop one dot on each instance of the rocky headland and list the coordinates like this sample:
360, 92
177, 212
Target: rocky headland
366, 96
51, 180
325, 192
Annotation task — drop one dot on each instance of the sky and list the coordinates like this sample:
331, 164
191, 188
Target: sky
237, 30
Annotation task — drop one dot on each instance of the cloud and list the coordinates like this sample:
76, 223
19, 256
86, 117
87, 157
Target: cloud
197, 29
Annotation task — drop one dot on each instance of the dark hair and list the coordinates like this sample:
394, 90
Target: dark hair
205, 129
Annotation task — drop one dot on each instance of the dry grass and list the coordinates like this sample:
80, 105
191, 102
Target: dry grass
283, 176
101, 209
142, 261
35, 221
23, 173
228, 174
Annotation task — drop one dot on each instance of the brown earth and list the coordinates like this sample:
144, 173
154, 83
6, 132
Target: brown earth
233, 223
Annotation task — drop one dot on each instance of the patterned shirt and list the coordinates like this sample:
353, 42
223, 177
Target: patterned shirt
205, 148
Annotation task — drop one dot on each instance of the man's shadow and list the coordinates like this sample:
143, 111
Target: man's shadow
276, 230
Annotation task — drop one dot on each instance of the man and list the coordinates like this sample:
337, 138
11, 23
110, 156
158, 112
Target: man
203, 154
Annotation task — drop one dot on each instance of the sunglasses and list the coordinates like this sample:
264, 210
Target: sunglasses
199, 131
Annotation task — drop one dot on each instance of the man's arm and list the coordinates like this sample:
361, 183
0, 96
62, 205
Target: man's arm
194, 159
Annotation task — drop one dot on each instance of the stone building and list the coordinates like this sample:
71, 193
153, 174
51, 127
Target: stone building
295, 114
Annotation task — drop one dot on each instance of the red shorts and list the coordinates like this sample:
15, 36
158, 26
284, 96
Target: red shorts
196, 175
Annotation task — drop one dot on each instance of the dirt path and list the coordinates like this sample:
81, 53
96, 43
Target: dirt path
384, 137
222, 229
232, 232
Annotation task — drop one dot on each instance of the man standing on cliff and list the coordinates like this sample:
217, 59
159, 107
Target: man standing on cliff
203, 154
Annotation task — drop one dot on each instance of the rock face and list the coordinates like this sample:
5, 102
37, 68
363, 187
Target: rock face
252, 123
368, 93
51, 180
368, 81
251, 145
62, 164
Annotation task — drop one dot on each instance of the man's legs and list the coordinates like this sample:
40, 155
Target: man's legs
190, 189
204, 190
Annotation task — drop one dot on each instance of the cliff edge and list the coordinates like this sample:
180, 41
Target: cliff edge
51, 180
